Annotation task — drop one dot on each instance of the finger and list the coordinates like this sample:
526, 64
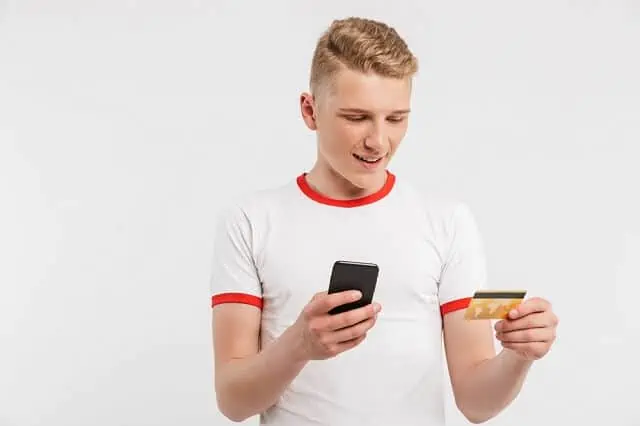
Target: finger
353, 332
526, 336
535, 348
349, 344
535, 320
528, 307
352, 317
322, 303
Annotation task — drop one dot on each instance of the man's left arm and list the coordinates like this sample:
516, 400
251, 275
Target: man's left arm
485, 383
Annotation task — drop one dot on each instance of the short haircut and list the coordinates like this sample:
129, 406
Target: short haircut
362, 45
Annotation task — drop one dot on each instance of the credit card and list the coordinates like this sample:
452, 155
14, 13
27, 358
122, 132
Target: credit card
493, 304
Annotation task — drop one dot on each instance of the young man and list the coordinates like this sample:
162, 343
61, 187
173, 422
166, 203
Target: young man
278, 353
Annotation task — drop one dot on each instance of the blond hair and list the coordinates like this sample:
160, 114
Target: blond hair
362, 45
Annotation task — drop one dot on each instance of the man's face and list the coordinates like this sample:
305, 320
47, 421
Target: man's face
360, 121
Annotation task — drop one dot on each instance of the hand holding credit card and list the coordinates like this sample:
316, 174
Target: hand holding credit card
493, 304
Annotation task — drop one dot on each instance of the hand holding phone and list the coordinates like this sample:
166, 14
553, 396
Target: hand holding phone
339, 319
348, 275
321, 335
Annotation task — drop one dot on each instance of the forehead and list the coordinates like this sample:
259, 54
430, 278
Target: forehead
352, 89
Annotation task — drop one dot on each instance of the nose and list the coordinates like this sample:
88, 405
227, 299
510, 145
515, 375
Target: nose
375, 140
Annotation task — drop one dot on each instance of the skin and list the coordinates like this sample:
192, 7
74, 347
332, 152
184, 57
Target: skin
368, 115
358, 114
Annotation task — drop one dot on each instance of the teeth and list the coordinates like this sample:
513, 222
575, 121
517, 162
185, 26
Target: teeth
367, 159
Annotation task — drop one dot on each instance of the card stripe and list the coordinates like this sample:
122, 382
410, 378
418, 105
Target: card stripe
500, 295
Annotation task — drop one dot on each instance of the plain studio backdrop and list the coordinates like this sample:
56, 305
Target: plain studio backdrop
126, 125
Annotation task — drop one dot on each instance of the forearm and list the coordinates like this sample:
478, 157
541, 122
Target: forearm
248, 386
491, 386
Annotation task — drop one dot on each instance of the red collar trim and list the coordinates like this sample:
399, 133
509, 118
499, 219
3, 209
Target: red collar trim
356, 202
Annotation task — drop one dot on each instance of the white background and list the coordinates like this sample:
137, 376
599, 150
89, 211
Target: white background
126, 125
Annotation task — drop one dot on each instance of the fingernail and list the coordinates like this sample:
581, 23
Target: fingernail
513, 313
377, 307
357, 295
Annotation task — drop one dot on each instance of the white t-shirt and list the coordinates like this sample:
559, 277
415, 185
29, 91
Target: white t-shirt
275, 249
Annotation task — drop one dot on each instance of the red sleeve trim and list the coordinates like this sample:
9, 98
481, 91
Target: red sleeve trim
248, 299
454, 305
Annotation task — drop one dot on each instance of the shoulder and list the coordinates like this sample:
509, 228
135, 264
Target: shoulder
257, 205
442, 213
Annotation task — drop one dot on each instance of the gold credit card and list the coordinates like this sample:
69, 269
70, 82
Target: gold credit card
493, 304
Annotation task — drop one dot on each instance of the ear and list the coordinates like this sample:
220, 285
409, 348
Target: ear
308, 110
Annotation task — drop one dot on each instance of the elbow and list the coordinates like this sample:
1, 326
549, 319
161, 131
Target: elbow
234, 415
476, 420
229, 409
475, 417
235, 418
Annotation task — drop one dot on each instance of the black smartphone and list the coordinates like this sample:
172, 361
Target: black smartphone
348, 275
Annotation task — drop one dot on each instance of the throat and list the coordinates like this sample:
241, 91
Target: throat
332, 185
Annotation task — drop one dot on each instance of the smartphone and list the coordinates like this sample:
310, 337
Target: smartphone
348, 275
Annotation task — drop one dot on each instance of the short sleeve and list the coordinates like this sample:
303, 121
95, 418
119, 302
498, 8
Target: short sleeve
234, 277
464, 269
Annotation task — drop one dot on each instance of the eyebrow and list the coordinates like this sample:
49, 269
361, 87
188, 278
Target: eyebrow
363, 111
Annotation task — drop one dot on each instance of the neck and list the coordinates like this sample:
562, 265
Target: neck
326, 181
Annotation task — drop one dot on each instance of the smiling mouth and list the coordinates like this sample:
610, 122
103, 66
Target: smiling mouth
369, 160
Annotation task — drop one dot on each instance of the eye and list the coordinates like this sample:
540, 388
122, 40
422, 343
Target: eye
395, 119
355, 117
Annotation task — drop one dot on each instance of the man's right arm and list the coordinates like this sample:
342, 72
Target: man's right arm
249, 380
